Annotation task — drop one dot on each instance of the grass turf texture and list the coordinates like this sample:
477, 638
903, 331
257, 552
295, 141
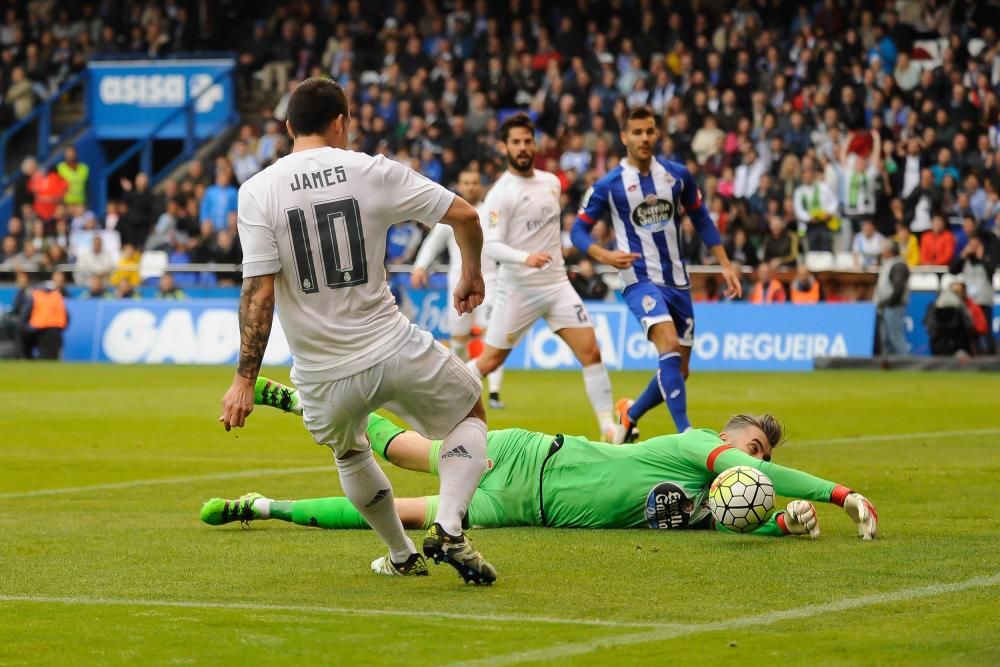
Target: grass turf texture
127, 573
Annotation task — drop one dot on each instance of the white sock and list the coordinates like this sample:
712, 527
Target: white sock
370, 492
474, 367
495, 379
598, 384
461, 466
262, 507
460, 348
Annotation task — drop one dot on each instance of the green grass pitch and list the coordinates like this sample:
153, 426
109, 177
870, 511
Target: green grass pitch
103, 560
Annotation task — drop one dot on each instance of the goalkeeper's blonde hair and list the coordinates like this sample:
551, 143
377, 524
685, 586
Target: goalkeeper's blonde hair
767, 423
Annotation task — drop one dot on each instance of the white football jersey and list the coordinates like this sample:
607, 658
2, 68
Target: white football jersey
523, 213
318, 219
443, 236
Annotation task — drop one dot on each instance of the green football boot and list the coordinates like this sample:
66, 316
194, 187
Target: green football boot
460, 554
219, 511
276, 395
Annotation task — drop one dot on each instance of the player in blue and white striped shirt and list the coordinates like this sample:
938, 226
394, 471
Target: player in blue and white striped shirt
643, 196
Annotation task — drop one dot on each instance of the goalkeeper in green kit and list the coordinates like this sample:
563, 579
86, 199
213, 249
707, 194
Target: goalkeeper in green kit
560, 481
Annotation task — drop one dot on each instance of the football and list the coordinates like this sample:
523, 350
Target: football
741, 498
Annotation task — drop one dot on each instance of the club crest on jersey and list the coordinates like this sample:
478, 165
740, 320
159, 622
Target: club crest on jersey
667, 507
653, 213
494, 219
648, 303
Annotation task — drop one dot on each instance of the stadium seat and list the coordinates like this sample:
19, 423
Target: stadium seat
153, 264
946, 280
818, 260
924, 282
845, 261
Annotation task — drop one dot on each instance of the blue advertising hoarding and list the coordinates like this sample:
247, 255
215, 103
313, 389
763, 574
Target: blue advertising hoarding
728, 336
129, 98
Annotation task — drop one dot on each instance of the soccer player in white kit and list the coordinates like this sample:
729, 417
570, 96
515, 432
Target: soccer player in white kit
523, 234
313, 230
470, 187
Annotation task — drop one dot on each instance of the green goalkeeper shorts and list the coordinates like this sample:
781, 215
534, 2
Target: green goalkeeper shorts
508, 494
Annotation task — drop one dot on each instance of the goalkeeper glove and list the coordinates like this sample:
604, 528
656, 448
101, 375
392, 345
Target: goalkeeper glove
800, 518
863, 514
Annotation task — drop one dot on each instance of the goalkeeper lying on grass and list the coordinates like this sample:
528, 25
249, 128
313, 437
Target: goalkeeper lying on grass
561, 481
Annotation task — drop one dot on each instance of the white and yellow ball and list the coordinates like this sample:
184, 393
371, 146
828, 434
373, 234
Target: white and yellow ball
741, 498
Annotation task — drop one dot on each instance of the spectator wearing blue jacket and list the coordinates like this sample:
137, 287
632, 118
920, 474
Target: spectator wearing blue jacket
219, 200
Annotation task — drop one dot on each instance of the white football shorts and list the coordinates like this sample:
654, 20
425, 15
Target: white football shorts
424, 383
517, 307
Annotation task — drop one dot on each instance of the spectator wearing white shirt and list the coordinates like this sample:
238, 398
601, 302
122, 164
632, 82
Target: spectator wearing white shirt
95, 260
867, 246
575, 158
748, 174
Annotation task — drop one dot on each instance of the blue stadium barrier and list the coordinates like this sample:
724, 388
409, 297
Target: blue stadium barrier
729, 336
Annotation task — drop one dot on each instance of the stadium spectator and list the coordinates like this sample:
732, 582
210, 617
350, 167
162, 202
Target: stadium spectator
937, 247
127, 268
96, 288
93, 260
815, 210
909, 248
28, 259
780, 248
976, 267
949, 325
136, 210
23, 195
75, 173
980, 331
46, 317
245, 162
47, 188
867, 245
20, 93
767, 289
921, 203
226, 250
9, 249
125, 289
805, 288
738, 247
166, 233
168, 289
586, 282
219, 200
892, 294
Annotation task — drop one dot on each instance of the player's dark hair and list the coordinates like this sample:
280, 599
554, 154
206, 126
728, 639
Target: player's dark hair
315, 104
519, 119
768, 424
637, 113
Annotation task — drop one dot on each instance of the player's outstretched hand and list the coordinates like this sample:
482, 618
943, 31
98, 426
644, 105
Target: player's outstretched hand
734, 286
537, 260
619, 258
469, 293
863, 514
237, 404
800, 518
418, 278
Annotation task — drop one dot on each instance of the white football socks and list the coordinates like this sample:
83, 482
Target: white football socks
370, 492
461, 466
598, 384
495, 380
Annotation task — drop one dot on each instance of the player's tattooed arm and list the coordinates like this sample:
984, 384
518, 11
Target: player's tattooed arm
256, 317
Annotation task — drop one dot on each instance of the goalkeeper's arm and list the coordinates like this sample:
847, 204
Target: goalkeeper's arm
797, 484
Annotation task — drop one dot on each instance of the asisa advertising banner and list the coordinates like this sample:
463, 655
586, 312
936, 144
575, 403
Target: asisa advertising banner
728, 336
128, 99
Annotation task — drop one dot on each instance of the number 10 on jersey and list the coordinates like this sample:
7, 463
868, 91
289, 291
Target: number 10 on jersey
341, 245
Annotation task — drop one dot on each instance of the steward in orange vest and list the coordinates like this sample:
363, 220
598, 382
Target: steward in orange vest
767, 289
47, 319
805, 288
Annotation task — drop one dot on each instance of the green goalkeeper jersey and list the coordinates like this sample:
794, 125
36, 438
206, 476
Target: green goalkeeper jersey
661, 482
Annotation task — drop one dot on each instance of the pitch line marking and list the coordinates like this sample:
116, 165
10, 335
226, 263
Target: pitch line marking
240, 474
235, 474
317, 609
887, 437
562, 651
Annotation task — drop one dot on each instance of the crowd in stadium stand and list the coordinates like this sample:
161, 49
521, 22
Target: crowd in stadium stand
828, 126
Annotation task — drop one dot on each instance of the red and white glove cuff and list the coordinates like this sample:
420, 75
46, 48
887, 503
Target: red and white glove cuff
839, 495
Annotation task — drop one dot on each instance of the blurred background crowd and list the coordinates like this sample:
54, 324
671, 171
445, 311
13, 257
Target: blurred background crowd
817, 130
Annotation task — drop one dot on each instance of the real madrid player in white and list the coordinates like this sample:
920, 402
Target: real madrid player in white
313, 230
470, 187
523, 235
